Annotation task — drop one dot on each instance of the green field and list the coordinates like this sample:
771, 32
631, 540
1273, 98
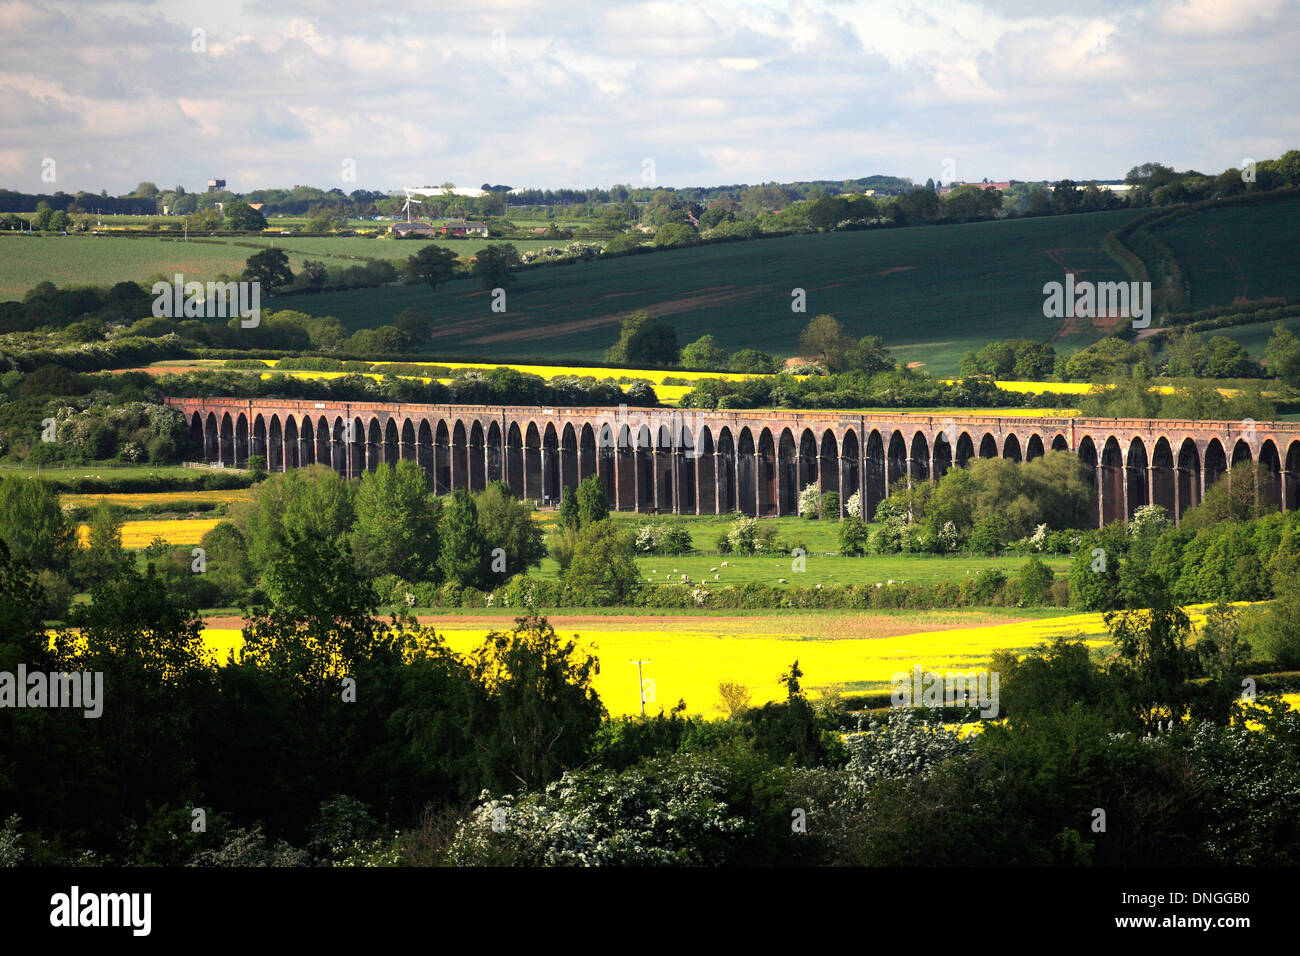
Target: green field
1237, 254
26, 261
932, 292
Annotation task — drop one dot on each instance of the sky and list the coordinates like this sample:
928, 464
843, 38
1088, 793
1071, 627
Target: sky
378, 95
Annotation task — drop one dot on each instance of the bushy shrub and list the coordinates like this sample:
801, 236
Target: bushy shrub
810, 502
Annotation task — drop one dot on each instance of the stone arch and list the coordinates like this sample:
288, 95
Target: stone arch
586, 451
1034, 447
427, 455
765, 469
988, 446
568, 457
477, 457
274, 445
258, 439
918, 466
965, 449
515, 459
896, 461
392, 443
875, 477
850, 470
1270, 484
409, 449
291, 446
374, 444
241, 441
1291, 478
1189, 478
1011, 448
550, 465
828, 465
1216, 463
788, 462
746, 473
942, 450
808, 459
1060, 443
726, 465
459, 456
1137, 488
494, 453
226, 452
706, 472
1164, 482
1089, 463
685, 460
1112, 482
645, 469
607, 461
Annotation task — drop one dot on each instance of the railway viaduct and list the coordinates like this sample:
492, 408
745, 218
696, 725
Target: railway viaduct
687, 461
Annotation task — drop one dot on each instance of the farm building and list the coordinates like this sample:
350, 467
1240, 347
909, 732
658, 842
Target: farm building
464, 228
401, 229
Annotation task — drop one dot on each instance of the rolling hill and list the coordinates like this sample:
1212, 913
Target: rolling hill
932, 292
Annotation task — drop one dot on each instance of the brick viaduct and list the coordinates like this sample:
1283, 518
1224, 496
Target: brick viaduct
685, 461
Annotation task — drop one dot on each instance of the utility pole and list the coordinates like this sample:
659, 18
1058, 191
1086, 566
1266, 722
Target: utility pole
640, 684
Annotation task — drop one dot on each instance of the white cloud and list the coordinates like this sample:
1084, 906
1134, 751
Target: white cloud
715, 90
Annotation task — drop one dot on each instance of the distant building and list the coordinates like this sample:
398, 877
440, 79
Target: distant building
401, 229
1000, 187
216, 185
256, 205
464, 228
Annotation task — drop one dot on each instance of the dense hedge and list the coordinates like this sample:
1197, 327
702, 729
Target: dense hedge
989, 588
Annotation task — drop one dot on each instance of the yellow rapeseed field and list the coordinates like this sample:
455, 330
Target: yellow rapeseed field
655, 376
139, 534
140, 498
689, 664
1080, 388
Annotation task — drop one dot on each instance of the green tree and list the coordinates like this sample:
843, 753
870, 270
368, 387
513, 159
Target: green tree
395, 530
644, 341
507, 522
270, 268
542, 710
313, 274
569, 508
593, 505
1095, 567
824, 339
1035, 580
33, 525
752, 362
704, 353
1226, 358
464, 556
1282, 356
241, 217
1155, 663
494, 265
103, 558
432, 266
854, 534
603, 570
313, 502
